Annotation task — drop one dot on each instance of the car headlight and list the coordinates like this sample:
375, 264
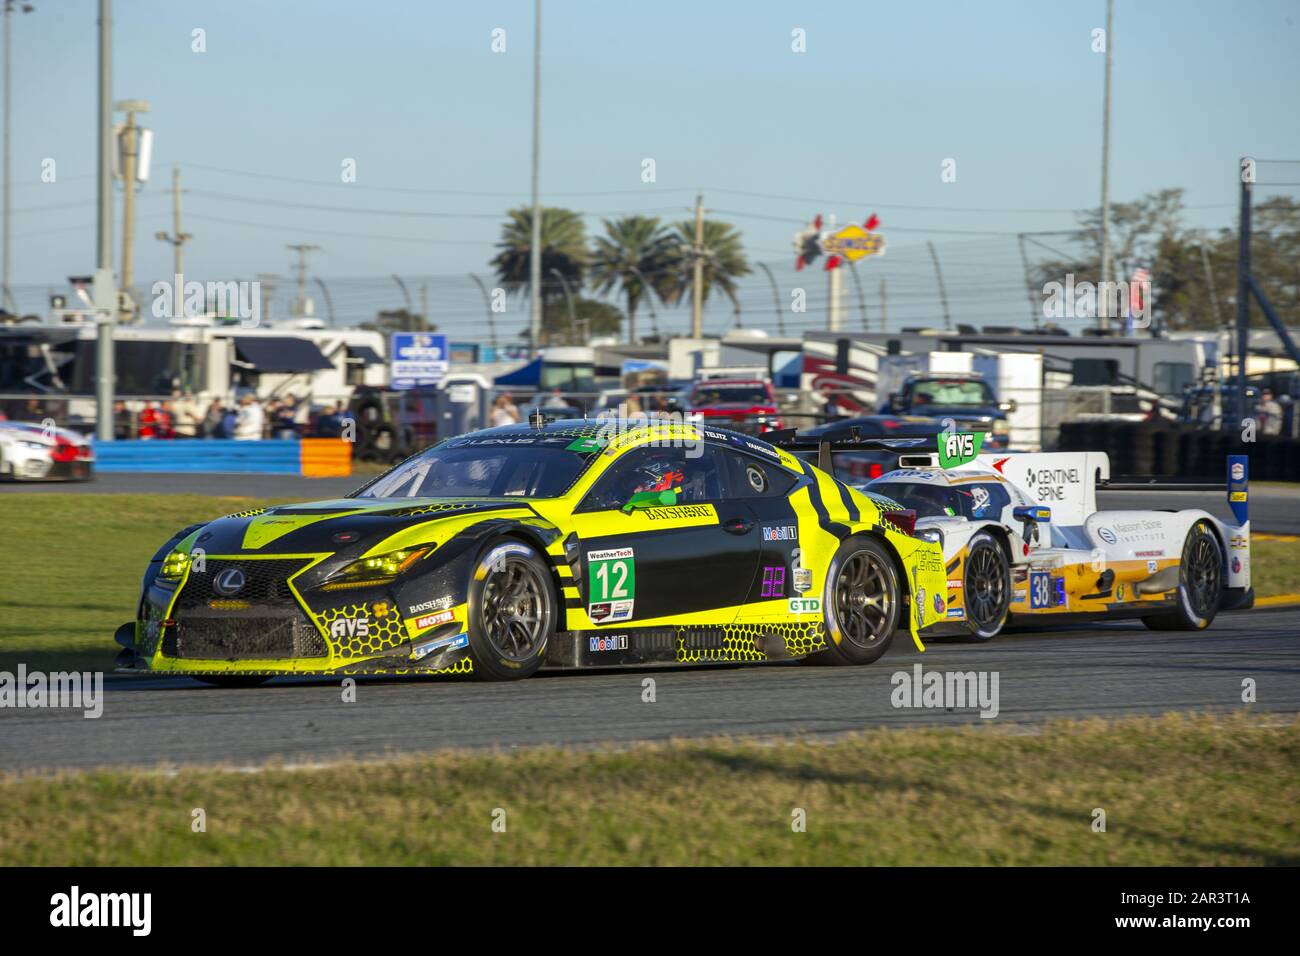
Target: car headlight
1001, 427
33, 445
931, 534
379, 569
173, 566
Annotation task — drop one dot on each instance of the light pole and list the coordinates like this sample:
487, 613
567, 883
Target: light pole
105, 295
776, 299
8, 254
1102, 318
133, 138
568, 301
650, 301
487, 301
535, 246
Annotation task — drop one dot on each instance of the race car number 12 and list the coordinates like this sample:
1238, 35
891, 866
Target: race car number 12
611, 575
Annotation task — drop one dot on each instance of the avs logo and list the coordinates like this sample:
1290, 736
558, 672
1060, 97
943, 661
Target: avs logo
350, 627
228, 582
1238, 471
1107, 535
785, 532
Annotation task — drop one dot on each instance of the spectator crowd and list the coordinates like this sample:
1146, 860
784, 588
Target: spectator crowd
246, 418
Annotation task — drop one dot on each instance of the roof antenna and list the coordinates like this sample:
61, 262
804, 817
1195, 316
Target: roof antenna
537, 419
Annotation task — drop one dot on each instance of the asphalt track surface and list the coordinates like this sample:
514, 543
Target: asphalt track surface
1099, 669
1272, 509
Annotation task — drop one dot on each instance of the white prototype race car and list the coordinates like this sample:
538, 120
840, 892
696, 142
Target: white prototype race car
1024, 542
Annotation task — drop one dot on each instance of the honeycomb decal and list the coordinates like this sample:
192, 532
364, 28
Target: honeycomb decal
463, 666
250, 513
747, 642
381, 633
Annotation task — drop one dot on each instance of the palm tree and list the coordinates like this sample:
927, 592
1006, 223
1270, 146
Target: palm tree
564, 248
635, 251
724, 262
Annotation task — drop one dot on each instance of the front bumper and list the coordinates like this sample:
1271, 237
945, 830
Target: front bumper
268, 627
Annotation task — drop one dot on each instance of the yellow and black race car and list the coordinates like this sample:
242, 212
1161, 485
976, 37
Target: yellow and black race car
550, 544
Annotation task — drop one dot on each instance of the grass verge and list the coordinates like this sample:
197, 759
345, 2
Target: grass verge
1177, 790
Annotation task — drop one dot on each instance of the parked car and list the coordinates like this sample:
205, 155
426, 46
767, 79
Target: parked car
745, 405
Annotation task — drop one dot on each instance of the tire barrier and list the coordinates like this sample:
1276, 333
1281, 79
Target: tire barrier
1167, 451
313, 457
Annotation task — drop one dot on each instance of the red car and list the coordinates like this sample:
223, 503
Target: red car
744, 405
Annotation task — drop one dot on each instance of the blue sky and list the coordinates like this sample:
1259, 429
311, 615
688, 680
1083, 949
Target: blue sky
710, 90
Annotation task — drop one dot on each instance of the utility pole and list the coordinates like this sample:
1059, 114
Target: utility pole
177, 238
105, 294
884, 306
266, 282
424, 302
943, 293
130, 155
1243, 295
697, 285
535, 246
1103, 319
302, 248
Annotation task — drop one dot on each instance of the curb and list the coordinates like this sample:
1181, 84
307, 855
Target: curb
1278, 600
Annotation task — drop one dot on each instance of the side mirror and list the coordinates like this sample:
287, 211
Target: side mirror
1037, 513
642, 500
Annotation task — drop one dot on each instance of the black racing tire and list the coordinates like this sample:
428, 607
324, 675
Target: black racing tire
1200, 584
862, 603
513, 610
986, 588
232, 681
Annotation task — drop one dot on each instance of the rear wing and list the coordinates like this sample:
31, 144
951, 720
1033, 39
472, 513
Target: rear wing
826, 445
1236, 484
1068, 482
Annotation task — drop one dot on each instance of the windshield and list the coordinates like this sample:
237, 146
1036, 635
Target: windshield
928, 501
956, 391
521, 466
938, 501
731, 395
